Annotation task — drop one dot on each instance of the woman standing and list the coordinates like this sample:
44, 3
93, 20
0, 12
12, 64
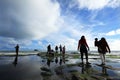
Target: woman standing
83, 48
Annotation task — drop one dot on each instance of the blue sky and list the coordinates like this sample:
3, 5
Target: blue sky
33, 24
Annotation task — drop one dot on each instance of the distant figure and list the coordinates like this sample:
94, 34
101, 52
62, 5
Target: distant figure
96, 43
60, 47
82, 47
56, 49
17, 49
103, 48
63, 51
49, 49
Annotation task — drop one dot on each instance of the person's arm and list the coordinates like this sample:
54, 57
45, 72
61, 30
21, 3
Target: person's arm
78, 45
87, 45
108, 47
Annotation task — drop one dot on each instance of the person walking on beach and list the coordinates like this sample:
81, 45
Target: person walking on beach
49, 49
103, 48
60, 47
83, 48
63, 51
96, 44
17, 49
56, 49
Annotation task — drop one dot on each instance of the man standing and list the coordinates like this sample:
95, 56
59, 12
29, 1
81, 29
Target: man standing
17, 49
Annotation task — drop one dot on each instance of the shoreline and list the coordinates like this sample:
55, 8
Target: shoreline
42, 67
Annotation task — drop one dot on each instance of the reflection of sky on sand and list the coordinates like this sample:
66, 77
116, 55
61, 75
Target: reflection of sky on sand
6, 60
28, 67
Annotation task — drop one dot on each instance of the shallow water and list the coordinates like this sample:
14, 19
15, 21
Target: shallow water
61, 68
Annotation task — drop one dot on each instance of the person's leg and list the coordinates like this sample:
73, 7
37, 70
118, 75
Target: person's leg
104, 58
86, 55
101, 57
82, 57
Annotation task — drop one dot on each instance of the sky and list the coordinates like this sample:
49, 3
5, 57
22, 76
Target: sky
33, 24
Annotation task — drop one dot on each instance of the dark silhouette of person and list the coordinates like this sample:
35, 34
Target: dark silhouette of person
63, 51
56, 49
17, 49
103, 48
96, 44
60, 47
49, 49
83, 48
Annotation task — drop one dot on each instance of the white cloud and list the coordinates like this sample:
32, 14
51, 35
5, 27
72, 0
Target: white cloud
29, 18
114, 32
10, 43
97, 4
114, 3
114, 44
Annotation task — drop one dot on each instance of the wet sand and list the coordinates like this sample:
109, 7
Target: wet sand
68, 67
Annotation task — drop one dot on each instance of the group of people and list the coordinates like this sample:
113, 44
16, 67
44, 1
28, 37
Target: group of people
102, 45
51, 51
83, 47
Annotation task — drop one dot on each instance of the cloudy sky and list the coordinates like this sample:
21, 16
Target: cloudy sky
33, 24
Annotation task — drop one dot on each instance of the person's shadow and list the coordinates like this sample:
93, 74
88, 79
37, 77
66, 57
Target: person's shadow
15, 60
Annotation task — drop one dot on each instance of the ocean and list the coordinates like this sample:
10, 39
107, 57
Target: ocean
10, 53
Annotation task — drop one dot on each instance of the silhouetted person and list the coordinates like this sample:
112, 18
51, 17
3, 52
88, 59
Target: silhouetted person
49, 49
63, 51
56, 49
17, 49
83, 48
97, 44
60, 47
103, 48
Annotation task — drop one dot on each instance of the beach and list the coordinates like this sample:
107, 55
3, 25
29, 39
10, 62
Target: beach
38, 66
